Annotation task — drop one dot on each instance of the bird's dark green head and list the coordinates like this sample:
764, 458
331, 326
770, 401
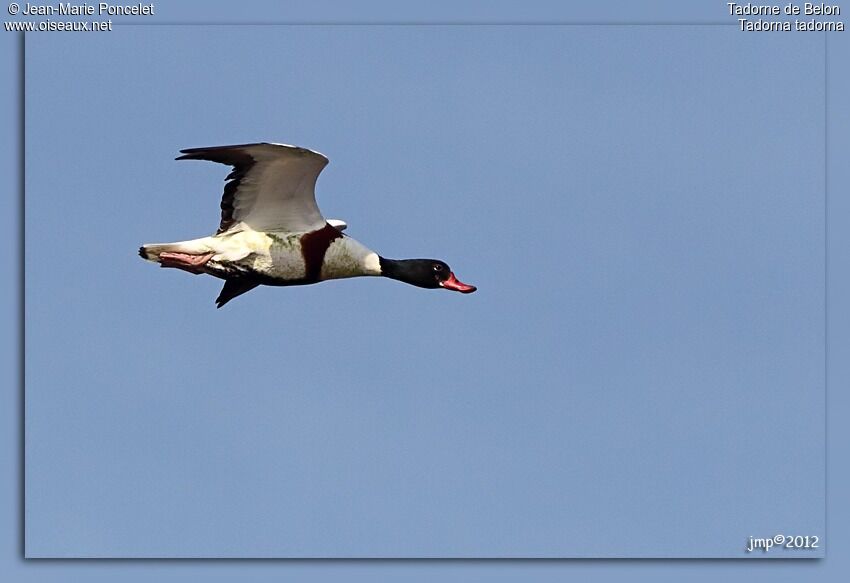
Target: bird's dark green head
427, 273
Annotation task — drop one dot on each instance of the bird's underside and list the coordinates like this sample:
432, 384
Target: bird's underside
234, 285
185, 261
247, 258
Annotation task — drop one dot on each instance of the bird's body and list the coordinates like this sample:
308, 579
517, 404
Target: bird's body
278, 257
272, 233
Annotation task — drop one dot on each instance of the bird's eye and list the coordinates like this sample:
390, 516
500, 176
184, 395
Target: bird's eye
437, 267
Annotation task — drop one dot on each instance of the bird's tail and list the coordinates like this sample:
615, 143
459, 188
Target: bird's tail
152, 251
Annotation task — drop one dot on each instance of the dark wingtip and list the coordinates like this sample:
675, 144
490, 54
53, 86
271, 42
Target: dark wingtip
142, 253
191, 153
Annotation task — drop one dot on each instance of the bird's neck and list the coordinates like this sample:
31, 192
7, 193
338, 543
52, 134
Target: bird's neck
390, 268
398, 269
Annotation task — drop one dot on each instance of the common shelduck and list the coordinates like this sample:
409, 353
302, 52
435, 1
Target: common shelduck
272, 232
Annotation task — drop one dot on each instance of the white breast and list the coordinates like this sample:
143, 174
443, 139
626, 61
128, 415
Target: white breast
287, 260
347, 257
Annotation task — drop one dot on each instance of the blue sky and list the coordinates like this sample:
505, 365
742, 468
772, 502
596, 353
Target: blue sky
645, 352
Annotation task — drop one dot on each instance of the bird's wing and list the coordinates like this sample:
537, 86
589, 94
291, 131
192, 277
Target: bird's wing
271, 186
338, 224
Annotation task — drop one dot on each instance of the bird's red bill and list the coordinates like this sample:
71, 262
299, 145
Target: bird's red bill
455, 284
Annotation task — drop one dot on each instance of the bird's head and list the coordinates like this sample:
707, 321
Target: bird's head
427, 273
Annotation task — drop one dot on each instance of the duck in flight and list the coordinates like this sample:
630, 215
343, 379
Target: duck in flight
272, 232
